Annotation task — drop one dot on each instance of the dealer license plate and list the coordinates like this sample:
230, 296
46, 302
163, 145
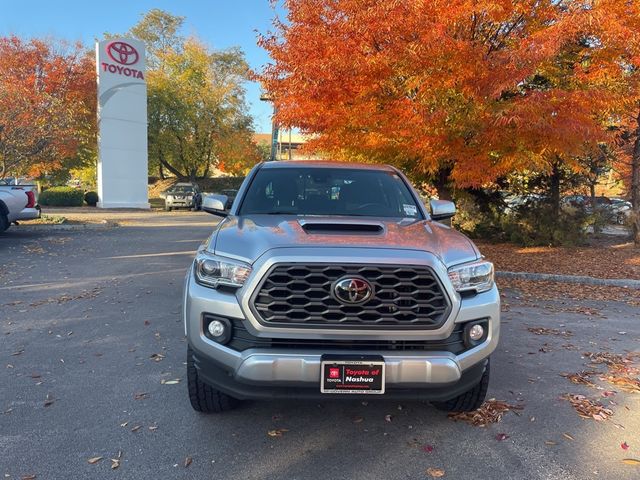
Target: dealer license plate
358, 375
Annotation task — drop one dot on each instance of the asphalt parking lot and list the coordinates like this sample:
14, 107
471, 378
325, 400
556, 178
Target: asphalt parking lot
92, 346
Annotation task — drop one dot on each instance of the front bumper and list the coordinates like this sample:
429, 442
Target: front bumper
180, 203
274, 372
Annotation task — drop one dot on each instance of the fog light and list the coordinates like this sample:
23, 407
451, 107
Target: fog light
475, 333
216, 328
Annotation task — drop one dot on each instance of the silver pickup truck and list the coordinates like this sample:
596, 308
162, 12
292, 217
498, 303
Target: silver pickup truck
332, 280
17, 202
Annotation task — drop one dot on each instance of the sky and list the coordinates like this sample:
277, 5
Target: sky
219, 23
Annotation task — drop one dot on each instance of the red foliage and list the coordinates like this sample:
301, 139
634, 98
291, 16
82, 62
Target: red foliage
47, 103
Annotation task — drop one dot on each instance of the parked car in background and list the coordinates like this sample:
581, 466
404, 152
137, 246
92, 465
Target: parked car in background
17, 202
183, 195
622, 209
613, 210
231, 196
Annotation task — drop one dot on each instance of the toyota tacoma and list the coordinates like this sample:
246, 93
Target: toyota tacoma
333, 280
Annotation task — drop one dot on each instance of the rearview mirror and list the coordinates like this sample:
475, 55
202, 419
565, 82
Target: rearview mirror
442, 209
214, 204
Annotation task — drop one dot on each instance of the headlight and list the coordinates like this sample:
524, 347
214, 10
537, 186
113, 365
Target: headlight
212, 271
476, 276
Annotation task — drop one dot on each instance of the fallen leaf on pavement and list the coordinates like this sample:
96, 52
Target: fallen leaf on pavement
187, 461
588, 408
141, 396
550, 331
631, 461
624, 446
358, 419
277, 433
550, 442
115, 463
624, 382
490, 411
581, 378
427, 448
136, 428
170, 382
387, 418
48, 401
156, 357
501, 436
124, 424
435, 472
94, 460
153, 428
567, 436
28, 477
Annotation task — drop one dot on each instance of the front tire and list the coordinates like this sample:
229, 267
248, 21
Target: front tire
469, 400
203, 397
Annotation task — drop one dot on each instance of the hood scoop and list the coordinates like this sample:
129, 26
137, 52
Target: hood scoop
341, 227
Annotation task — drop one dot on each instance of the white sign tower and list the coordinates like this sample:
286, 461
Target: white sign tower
122, 124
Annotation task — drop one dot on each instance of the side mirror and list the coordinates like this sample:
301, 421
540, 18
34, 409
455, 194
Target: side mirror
214, 204
442, 209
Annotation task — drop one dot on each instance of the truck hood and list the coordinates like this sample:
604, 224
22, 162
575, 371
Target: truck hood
248, 237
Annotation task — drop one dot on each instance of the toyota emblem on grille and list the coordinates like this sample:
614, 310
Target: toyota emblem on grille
352, 290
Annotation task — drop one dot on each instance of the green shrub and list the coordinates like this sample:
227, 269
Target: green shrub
535, 225
61, 197
532, 223
91, 198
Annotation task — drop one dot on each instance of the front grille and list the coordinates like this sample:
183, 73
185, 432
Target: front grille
242, 340
301, 295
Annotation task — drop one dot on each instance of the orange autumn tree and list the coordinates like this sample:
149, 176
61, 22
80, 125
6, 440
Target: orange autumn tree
47, 104
474, 89
614, 64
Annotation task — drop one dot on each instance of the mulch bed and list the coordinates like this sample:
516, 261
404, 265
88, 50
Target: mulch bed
605, 261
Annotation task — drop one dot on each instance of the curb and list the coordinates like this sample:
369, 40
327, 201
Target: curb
65, 227
579, 279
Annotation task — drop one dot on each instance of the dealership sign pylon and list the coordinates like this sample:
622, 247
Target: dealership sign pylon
122, 124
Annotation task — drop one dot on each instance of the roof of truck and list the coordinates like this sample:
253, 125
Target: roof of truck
326, 164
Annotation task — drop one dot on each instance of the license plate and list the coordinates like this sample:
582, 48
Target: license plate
359, 375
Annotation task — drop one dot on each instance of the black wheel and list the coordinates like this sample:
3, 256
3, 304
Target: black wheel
471, 399
4, 222
204, 398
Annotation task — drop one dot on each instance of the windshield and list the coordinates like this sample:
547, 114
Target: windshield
181, 190
329, 191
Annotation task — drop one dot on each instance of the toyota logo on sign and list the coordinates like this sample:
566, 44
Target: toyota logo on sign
352, 290
122, 53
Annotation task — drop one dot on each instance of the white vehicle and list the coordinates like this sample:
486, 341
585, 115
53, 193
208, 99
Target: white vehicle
17, 202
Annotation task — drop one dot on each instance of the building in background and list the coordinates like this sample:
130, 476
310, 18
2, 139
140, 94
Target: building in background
288, 146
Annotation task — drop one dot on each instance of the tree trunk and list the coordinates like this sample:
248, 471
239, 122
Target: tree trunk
555, 190
443, 184
160, 171
168, 166
635, 186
